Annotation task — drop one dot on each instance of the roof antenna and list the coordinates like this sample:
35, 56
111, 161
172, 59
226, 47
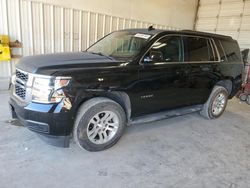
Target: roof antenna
150, 28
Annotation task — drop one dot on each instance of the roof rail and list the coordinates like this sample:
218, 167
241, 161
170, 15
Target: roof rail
206, 33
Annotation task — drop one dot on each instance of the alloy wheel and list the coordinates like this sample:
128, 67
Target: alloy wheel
102, 127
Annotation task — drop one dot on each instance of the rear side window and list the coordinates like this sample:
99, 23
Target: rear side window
232, 50
197, 49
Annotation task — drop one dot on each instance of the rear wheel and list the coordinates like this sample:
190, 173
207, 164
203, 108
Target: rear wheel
99, 124
216, 104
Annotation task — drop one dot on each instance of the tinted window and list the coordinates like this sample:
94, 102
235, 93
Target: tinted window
120, 44
198, 49
232, 50
167, 49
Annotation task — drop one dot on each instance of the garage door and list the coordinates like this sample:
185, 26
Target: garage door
227, 17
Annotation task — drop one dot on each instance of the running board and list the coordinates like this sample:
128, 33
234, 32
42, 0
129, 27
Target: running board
165, 114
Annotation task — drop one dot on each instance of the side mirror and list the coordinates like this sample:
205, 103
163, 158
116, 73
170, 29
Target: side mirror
155, 56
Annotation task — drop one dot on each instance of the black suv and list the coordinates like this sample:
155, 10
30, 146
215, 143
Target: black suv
127, 77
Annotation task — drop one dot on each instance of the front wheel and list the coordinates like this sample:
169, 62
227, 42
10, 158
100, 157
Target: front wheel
99, 124
216, 104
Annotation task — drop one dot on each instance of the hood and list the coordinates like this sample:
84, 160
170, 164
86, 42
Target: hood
39, 63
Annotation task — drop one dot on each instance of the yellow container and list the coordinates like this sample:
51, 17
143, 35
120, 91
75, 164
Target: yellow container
4, 52
4, 39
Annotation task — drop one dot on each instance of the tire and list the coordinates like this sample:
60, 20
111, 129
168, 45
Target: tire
209, 109
243, 97
99, 124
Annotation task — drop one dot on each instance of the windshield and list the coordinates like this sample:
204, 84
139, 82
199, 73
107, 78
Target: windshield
120, 44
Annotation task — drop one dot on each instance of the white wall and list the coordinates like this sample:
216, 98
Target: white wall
49, 26
174, 13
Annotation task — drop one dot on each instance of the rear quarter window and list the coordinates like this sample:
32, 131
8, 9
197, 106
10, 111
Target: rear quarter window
232, 50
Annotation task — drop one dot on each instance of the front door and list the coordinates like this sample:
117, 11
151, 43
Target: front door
163, 76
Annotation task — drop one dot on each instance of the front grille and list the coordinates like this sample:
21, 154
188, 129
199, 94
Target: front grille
22, 76
20, 92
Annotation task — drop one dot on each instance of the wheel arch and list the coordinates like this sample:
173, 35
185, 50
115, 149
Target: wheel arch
121, 98
226, 84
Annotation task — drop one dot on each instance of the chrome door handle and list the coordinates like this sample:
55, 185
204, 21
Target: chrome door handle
204, 68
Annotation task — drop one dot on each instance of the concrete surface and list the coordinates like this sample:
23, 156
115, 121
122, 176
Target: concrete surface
185, 152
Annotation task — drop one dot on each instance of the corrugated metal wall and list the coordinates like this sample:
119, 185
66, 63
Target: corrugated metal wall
44, 28
227, 17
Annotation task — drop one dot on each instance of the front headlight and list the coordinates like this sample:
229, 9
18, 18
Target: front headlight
49, 89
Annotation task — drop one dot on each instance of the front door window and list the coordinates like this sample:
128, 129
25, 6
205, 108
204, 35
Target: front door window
167, 49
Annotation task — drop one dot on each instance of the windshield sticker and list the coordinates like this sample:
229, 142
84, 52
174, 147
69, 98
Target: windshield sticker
143, 36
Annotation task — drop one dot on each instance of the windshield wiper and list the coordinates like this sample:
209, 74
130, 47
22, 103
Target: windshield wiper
101, 54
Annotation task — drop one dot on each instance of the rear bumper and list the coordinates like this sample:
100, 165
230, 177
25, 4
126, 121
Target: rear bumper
52, 122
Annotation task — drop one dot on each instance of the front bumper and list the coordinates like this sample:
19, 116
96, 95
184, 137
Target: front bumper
51, 121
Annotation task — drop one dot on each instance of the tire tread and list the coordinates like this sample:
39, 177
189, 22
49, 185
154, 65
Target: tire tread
83, 109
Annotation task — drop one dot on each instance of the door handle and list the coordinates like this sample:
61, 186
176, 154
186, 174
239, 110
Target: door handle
204, 68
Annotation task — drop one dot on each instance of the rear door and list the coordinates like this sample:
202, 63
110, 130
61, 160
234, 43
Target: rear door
202, 58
